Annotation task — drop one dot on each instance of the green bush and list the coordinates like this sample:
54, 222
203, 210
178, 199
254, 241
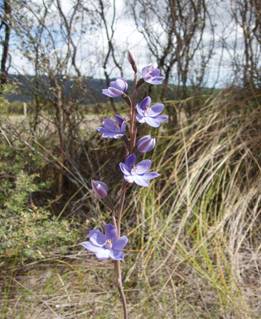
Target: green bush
27, 231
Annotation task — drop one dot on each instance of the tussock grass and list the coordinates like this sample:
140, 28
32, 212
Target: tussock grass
194, 234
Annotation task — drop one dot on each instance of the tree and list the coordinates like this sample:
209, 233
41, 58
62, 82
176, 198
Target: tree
48, 39
5, 25
247, 17
173, 31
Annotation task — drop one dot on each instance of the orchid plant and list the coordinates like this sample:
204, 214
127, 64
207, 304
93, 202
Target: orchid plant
110, 244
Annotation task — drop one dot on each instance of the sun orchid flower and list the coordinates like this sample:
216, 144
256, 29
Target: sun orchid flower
150, 114
116, 88
99, 188
152, 75
137, 173
107, 245
113, 128
146, 144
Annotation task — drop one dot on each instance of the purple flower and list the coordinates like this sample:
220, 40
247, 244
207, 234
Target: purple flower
152, 75
107, 245
99, 188
113, 128
116, 88
138, 173
146, 144
150, 114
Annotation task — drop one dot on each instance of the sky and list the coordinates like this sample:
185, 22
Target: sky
93, 46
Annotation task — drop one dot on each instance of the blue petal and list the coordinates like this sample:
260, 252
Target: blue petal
99, 188
156, 109
97, 237
103, 254
146, 144
146, 71
116, 255
119, 119
120, 84
123, 128
130, 161
112, 92
150, 175
152, 121
157, 80
156, 121
128, 178
106, 134
110, 232
142, 167
139, 180
87, 245
140, 111
145, 103
140, 118
120, 243
109, 124
125, 169
107, 93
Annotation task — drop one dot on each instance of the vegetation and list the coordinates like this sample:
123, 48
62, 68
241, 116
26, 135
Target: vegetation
197, 243
194, 234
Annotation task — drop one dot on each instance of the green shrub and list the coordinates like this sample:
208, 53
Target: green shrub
27, 231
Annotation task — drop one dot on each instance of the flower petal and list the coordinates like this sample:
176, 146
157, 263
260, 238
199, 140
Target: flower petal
99, 188
123, 128
90, 247
155, 80
140, 118
120, 84
152, 121
146, 144
107, 93
110, 232
109, 124
120, 243
156, 109
125, 169
112, 92
142, 167
150, 175
108, 134
130, 161
128, 178
152, 75
102, 253
139, 180
140, 111
97, 237
119, 119
113, 128
116, 255
146, 71
145, 103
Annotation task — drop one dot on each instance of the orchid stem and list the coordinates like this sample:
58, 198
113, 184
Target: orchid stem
117, 265
117, 217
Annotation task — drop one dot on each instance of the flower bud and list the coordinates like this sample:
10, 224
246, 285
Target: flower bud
99, 188
132, 62
146, 144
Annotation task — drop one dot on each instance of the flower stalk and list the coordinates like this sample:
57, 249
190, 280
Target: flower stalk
111, 244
